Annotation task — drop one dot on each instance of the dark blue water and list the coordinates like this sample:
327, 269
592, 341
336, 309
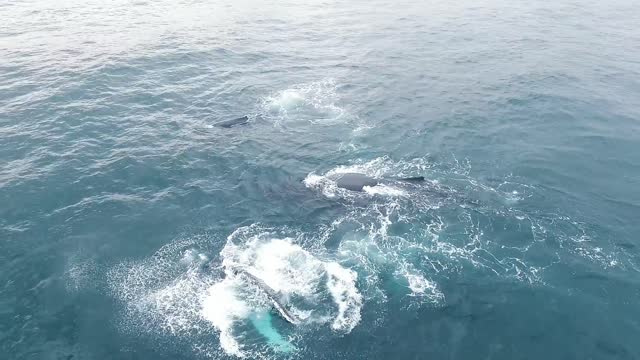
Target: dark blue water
123, 210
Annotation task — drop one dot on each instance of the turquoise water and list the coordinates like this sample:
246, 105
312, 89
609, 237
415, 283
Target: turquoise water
123, 209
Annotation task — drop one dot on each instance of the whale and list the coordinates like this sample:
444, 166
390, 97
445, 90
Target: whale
274, 296
357, 181
243, 120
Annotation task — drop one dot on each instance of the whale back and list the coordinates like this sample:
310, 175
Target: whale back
355, 181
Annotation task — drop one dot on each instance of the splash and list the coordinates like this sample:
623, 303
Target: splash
316, 102
296, 274
176, 292
222, 306
163, 295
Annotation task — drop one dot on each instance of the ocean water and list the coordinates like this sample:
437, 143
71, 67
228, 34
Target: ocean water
124, 210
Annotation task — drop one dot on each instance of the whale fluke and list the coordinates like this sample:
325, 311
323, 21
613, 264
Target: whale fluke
233, 122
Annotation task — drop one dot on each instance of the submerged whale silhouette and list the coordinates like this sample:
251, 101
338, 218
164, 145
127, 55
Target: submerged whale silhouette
233, 122
273, 295
357, 181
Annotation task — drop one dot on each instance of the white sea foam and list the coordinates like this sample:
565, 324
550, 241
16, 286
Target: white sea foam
286, 100
377, 254
163, 294
315, 102
384, 190
79, 273
421, 286
222, 306
192, 256
341, 283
